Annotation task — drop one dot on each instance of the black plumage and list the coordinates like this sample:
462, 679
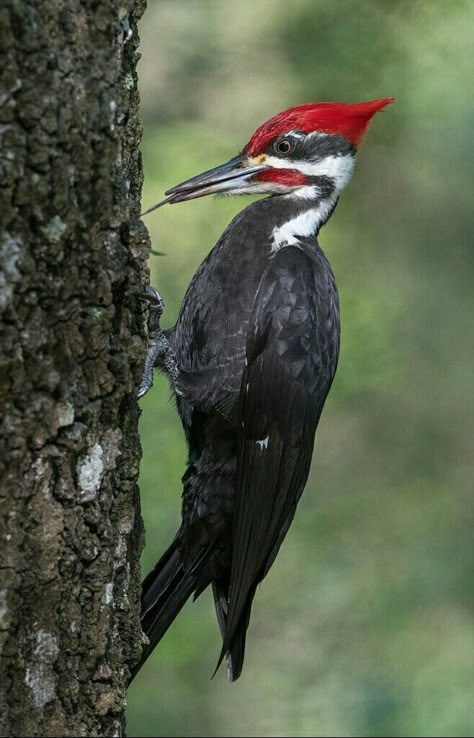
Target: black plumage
257, 343
251, 360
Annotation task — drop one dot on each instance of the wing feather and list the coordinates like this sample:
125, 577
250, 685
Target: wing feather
292, 349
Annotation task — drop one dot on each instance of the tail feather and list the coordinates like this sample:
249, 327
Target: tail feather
235, 653
159, 580
165, 591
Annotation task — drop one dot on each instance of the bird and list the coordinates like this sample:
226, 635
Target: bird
251, 360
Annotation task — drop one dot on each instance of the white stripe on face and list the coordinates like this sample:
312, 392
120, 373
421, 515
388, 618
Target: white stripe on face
338, 168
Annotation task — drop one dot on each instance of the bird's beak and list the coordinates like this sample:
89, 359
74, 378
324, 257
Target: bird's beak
232, 176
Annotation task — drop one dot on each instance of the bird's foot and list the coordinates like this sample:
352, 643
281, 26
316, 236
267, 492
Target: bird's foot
159, 352
155, 307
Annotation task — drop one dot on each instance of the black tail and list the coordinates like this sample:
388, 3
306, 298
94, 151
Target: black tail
164, 592
235, 654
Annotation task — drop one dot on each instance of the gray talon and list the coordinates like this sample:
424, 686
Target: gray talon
151, 295
159, 353
156, 305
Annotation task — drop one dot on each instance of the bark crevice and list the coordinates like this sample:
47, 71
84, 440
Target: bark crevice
73, 260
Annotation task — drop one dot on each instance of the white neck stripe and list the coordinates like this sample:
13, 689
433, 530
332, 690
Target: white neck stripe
305, 224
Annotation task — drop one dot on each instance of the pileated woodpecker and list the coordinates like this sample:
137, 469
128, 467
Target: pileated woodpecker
251, 360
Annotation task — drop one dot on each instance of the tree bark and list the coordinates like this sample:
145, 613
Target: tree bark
73, 258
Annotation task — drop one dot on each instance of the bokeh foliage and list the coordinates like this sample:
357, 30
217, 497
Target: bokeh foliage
364, 625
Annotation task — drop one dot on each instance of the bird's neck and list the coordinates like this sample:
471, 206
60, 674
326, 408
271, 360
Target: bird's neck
306, 212
297, 215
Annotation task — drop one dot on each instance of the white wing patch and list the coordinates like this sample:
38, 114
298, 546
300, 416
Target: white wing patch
263, 443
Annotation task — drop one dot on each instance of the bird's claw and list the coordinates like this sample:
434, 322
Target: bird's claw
152, 297
144, 387
159, 352
147, 376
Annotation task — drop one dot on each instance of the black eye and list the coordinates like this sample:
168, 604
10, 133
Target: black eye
283, 146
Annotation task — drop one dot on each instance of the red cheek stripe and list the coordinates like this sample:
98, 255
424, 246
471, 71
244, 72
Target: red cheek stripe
289, 177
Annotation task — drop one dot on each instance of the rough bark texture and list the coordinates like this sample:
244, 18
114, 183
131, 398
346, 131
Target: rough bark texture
73, 254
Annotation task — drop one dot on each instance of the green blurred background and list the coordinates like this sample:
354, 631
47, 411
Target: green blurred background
364, 625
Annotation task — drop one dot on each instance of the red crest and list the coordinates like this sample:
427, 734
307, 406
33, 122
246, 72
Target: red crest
347, 119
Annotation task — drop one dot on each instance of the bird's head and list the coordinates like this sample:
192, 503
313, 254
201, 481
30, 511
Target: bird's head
308, 150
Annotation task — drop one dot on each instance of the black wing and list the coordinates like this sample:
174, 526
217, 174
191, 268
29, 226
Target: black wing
292, 352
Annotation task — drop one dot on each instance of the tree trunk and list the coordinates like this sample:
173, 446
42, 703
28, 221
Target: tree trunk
73, 258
